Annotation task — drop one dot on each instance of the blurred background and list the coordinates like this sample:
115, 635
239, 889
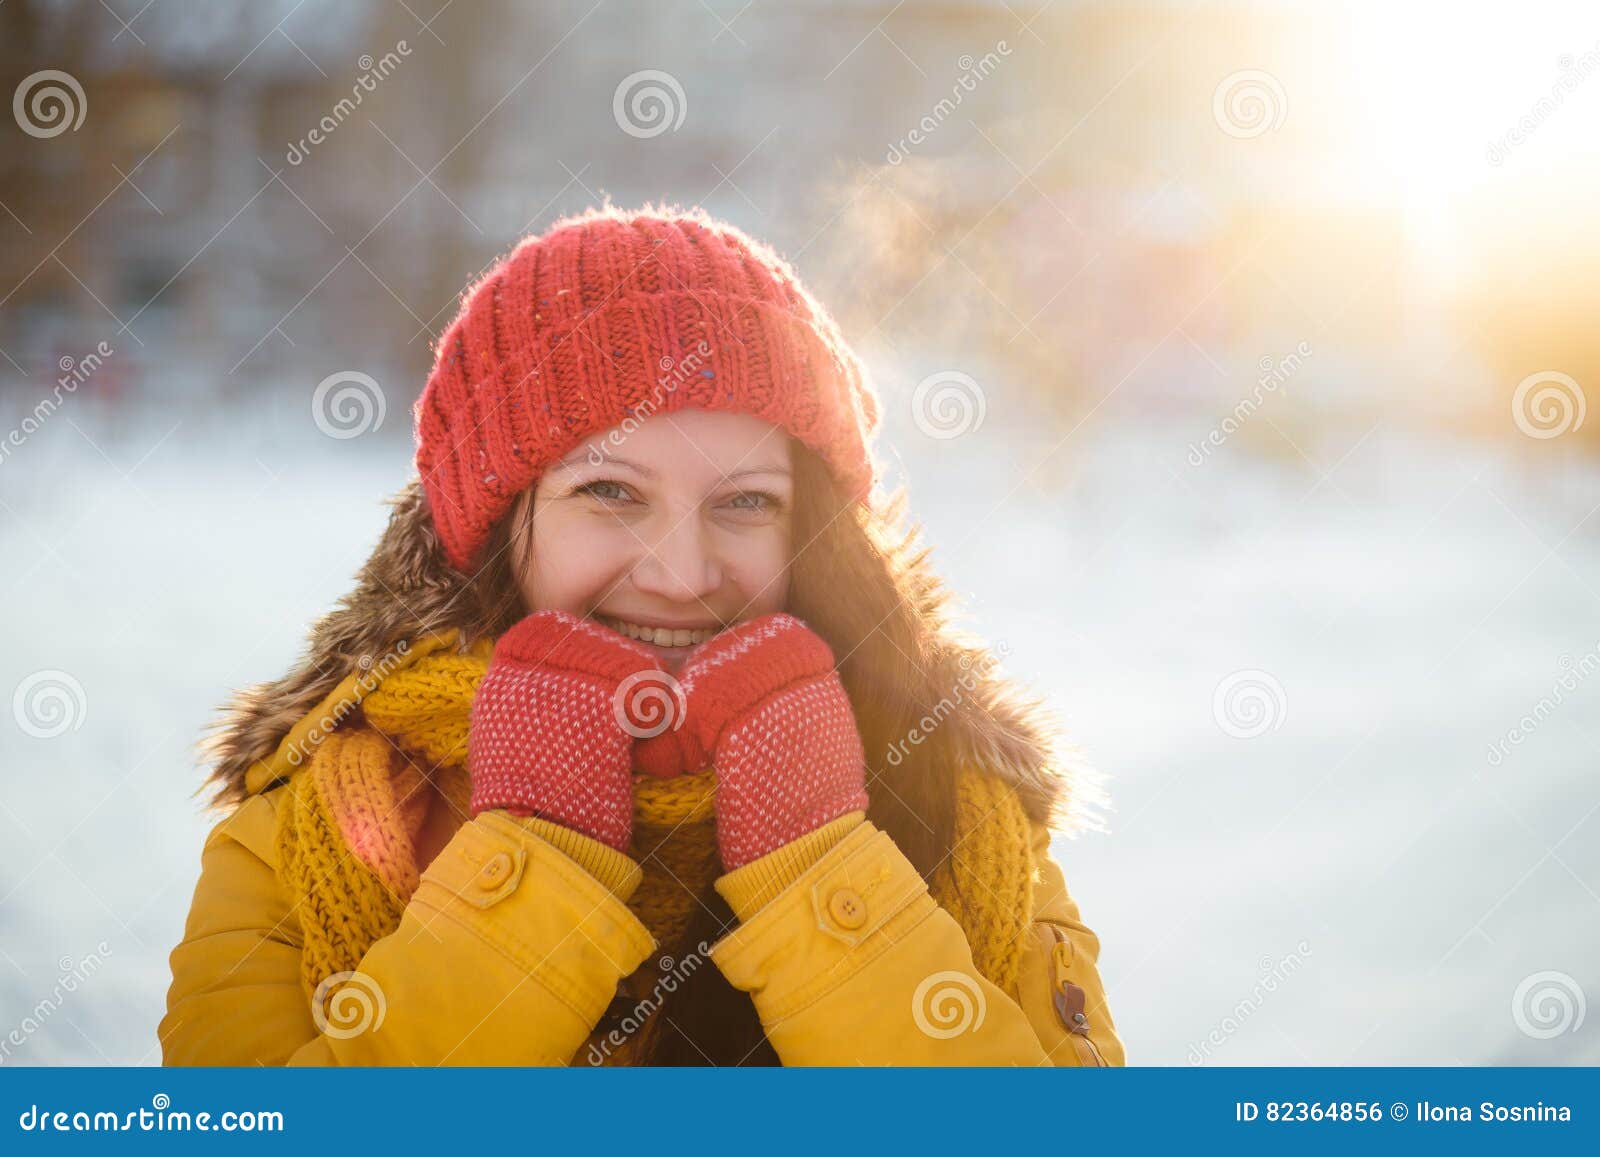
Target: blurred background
1237, 358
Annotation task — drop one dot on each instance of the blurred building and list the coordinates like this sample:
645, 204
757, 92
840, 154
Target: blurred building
264, 193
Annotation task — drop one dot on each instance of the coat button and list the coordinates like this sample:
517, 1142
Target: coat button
494, 871
847, 908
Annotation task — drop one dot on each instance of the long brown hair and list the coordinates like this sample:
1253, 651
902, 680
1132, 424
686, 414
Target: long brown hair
858, 576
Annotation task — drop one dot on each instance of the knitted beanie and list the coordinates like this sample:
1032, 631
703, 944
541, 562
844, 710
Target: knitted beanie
615, 315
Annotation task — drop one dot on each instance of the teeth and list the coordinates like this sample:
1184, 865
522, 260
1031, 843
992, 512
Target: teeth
660, 636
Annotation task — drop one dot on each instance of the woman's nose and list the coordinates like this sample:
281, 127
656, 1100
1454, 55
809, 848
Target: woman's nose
679, 563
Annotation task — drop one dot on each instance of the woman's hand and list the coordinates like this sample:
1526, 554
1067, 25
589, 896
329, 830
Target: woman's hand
552, 728
764, 703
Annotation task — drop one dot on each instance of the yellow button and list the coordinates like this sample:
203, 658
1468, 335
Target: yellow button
847, 908
494, 871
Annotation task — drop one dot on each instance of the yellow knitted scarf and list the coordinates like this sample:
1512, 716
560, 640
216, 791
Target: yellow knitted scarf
357, 797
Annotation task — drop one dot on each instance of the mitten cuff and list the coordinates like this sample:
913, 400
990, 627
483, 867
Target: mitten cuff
729, 674
559, 640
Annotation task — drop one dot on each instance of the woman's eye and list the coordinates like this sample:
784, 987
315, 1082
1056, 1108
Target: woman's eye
759, 501
599, 490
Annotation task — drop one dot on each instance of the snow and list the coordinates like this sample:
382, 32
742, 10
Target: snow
1413, 605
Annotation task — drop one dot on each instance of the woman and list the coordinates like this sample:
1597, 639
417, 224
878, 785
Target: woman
644, 737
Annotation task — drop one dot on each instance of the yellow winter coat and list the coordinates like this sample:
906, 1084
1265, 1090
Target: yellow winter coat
518, 934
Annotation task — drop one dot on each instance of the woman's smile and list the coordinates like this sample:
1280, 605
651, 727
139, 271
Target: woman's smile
669, 642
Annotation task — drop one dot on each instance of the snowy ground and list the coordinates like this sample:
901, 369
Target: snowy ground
1357, 885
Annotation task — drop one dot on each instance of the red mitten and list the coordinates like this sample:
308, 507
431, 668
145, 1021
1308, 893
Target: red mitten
553, 724
764, 699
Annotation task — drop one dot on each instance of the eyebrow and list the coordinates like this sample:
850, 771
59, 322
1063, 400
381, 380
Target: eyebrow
580, 457
574, 460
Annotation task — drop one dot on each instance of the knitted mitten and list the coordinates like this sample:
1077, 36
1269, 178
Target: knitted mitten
764, 700
553, 727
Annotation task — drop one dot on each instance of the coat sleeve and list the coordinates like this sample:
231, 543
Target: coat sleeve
849, 960
508, 953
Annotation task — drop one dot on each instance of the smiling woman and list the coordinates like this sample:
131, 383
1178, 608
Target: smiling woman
594, 765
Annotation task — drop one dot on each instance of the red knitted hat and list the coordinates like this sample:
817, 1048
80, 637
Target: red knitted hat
612, 315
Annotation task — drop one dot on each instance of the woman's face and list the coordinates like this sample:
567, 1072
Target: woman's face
670, 530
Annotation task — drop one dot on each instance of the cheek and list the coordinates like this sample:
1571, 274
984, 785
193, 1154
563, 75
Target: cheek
572, 564
760, 569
